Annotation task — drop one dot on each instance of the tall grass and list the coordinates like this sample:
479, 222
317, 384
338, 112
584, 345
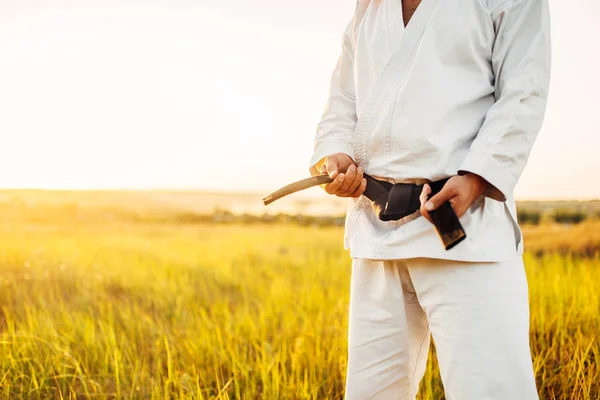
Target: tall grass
174, 311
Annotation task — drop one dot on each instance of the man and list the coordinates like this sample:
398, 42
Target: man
423, 91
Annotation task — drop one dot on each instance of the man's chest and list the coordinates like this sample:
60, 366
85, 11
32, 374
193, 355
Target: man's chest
409, 7
431, 37
382, 24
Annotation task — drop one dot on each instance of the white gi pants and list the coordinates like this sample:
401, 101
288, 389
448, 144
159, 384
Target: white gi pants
477, 314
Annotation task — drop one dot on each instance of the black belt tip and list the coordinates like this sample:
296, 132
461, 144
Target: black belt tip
453, 243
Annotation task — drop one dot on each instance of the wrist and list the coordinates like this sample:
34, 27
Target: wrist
480, 183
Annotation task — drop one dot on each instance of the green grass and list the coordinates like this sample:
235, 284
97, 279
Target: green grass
172, 311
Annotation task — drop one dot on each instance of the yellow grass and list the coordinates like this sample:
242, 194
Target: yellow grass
136, 310
581, 239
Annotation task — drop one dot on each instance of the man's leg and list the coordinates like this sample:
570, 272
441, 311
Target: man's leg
478, 314
388, 338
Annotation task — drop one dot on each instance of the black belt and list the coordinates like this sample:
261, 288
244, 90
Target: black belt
396, 201
393, 202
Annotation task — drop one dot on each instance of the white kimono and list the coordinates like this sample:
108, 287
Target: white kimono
462, 88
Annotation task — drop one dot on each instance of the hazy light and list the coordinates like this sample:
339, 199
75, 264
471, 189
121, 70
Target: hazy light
224, 95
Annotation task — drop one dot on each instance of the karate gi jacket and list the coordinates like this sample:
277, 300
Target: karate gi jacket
462, 88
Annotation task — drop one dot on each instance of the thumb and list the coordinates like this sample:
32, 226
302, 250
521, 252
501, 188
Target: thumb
332, 167
443, 196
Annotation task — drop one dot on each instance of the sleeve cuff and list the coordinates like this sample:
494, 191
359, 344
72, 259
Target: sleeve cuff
326, 149
485, 165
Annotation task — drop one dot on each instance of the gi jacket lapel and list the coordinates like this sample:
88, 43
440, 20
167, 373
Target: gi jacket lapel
394, 73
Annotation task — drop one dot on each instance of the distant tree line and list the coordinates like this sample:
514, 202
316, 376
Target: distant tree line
227, 217
528, 214
525, 216
559, 216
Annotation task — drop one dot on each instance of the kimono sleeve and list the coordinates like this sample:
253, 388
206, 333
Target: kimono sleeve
521, 61
336, 127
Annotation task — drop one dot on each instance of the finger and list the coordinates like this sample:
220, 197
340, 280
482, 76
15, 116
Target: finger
423, 198
332, 167
360, 190
332, 187
356, 182
443, 196
348, 180
425, 194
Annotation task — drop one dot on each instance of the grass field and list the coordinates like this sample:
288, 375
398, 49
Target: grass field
117, 309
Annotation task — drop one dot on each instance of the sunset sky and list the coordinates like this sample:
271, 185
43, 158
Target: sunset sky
226, 95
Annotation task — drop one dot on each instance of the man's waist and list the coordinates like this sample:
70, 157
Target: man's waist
395, 198
415, 181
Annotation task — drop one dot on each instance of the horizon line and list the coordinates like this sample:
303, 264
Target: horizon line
213, 191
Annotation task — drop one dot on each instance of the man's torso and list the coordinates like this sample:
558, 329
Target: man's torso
422, 90
423, 85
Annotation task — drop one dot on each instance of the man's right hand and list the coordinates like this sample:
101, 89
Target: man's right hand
347, 178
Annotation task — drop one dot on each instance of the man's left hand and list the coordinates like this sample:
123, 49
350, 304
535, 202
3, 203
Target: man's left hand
461, 191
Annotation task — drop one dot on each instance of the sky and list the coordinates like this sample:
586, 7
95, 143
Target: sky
226, 95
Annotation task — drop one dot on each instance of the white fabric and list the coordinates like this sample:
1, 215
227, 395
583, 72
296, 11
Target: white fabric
477, 314
462, 88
